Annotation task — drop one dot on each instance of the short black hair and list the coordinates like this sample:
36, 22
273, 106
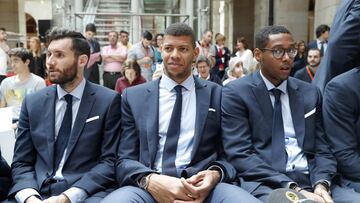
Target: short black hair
23, 54
181, 29
262, 37
124, 32
147, 35
2, 29
313, 49
321, 29
90, 27
79, 44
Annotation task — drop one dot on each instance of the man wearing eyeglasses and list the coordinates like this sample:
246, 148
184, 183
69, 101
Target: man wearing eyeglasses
272, 125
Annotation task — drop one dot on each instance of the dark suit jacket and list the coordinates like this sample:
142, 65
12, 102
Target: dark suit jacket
342, 121
247, 125
91, 152
214, 78
92, 73
303, 75
5, 178
343, 51
139, 138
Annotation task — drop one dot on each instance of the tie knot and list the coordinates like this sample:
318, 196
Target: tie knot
322, 42
178, 88
276, 93
68, 98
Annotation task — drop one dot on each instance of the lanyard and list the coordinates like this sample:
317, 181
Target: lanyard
309, 73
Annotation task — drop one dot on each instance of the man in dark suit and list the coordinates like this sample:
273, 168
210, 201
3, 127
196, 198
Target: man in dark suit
67, 133
321, 41
308, 72
170, 148
91, 71
5, 178
272, 133
344, 45
342, 125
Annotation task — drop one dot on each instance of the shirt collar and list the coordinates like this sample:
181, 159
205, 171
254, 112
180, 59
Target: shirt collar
169, 83
270, 86
77, 92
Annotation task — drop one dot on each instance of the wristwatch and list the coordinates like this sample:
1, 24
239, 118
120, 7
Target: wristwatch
144, 181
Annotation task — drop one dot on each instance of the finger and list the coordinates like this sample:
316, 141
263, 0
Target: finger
194, 179
327, 197
191, 191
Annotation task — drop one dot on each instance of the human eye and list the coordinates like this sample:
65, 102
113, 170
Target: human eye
183, 49
167, 49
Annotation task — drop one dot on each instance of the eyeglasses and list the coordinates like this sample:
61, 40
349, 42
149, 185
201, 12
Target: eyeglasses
280, 52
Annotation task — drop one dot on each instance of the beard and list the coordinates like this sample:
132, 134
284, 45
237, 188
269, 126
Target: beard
67, 75
314, 65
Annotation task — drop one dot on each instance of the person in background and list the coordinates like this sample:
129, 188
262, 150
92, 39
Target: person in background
300, 58
203, 65
308, 72
113, 55
14, 89
4, 58
245, 54
132, 76
158, 42
144, 55
38, 66
321, 41
124, 39
205, 47
222, 56
91, 71
235, 70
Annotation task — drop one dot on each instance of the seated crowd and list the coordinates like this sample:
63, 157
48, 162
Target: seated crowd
182, 137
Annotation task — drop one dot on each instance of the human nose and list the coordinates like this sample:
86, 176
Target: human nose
175, 53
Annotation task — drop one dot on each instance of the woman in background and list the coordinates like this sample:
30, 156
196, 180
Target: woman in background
300, 58
132, 76
236, 70
244, 53
38, 65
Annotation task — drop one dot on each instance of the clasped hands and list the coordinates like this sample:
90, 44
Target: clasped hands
165, 189
320, 195
54, 199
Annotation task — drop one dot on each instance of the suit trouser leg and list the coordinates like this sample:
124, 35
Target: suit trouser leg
347, 192
262, 192
227, 193
129, 194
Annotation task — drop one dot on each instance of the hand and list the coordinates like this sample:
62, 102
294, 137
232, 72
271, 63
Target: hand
312, 196
322, 192
200, 185
57, 199
33, 199
165, 189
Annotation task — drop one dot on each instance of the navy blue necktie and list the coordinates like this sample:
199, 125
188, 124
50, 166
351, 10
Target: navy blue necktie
172, 136
322, 48
64, 132
278, 135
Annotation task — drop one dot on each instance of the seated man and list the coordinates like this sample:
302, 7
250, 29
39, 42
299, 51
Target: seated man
272, 125
170, 143
14, 89
67, 133
342, 125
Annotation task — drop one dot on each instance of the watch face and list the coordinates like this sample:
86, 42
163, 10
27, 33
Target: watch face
143, 182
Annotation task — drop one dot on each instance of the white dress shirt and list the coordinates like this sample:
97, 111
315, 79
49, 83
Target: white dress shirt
318, 42
167, 97
74, 194
296, 159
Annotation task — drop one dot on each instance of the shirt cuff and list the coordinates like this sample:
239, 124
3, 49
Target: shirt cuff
75, 194
24, 194
326, 184
217, 168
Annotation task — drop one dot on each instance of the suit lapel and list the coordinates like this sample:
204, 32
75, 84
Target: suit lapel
262, 97
202, 107
87, 101
49, 117
296, 101
152, 119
